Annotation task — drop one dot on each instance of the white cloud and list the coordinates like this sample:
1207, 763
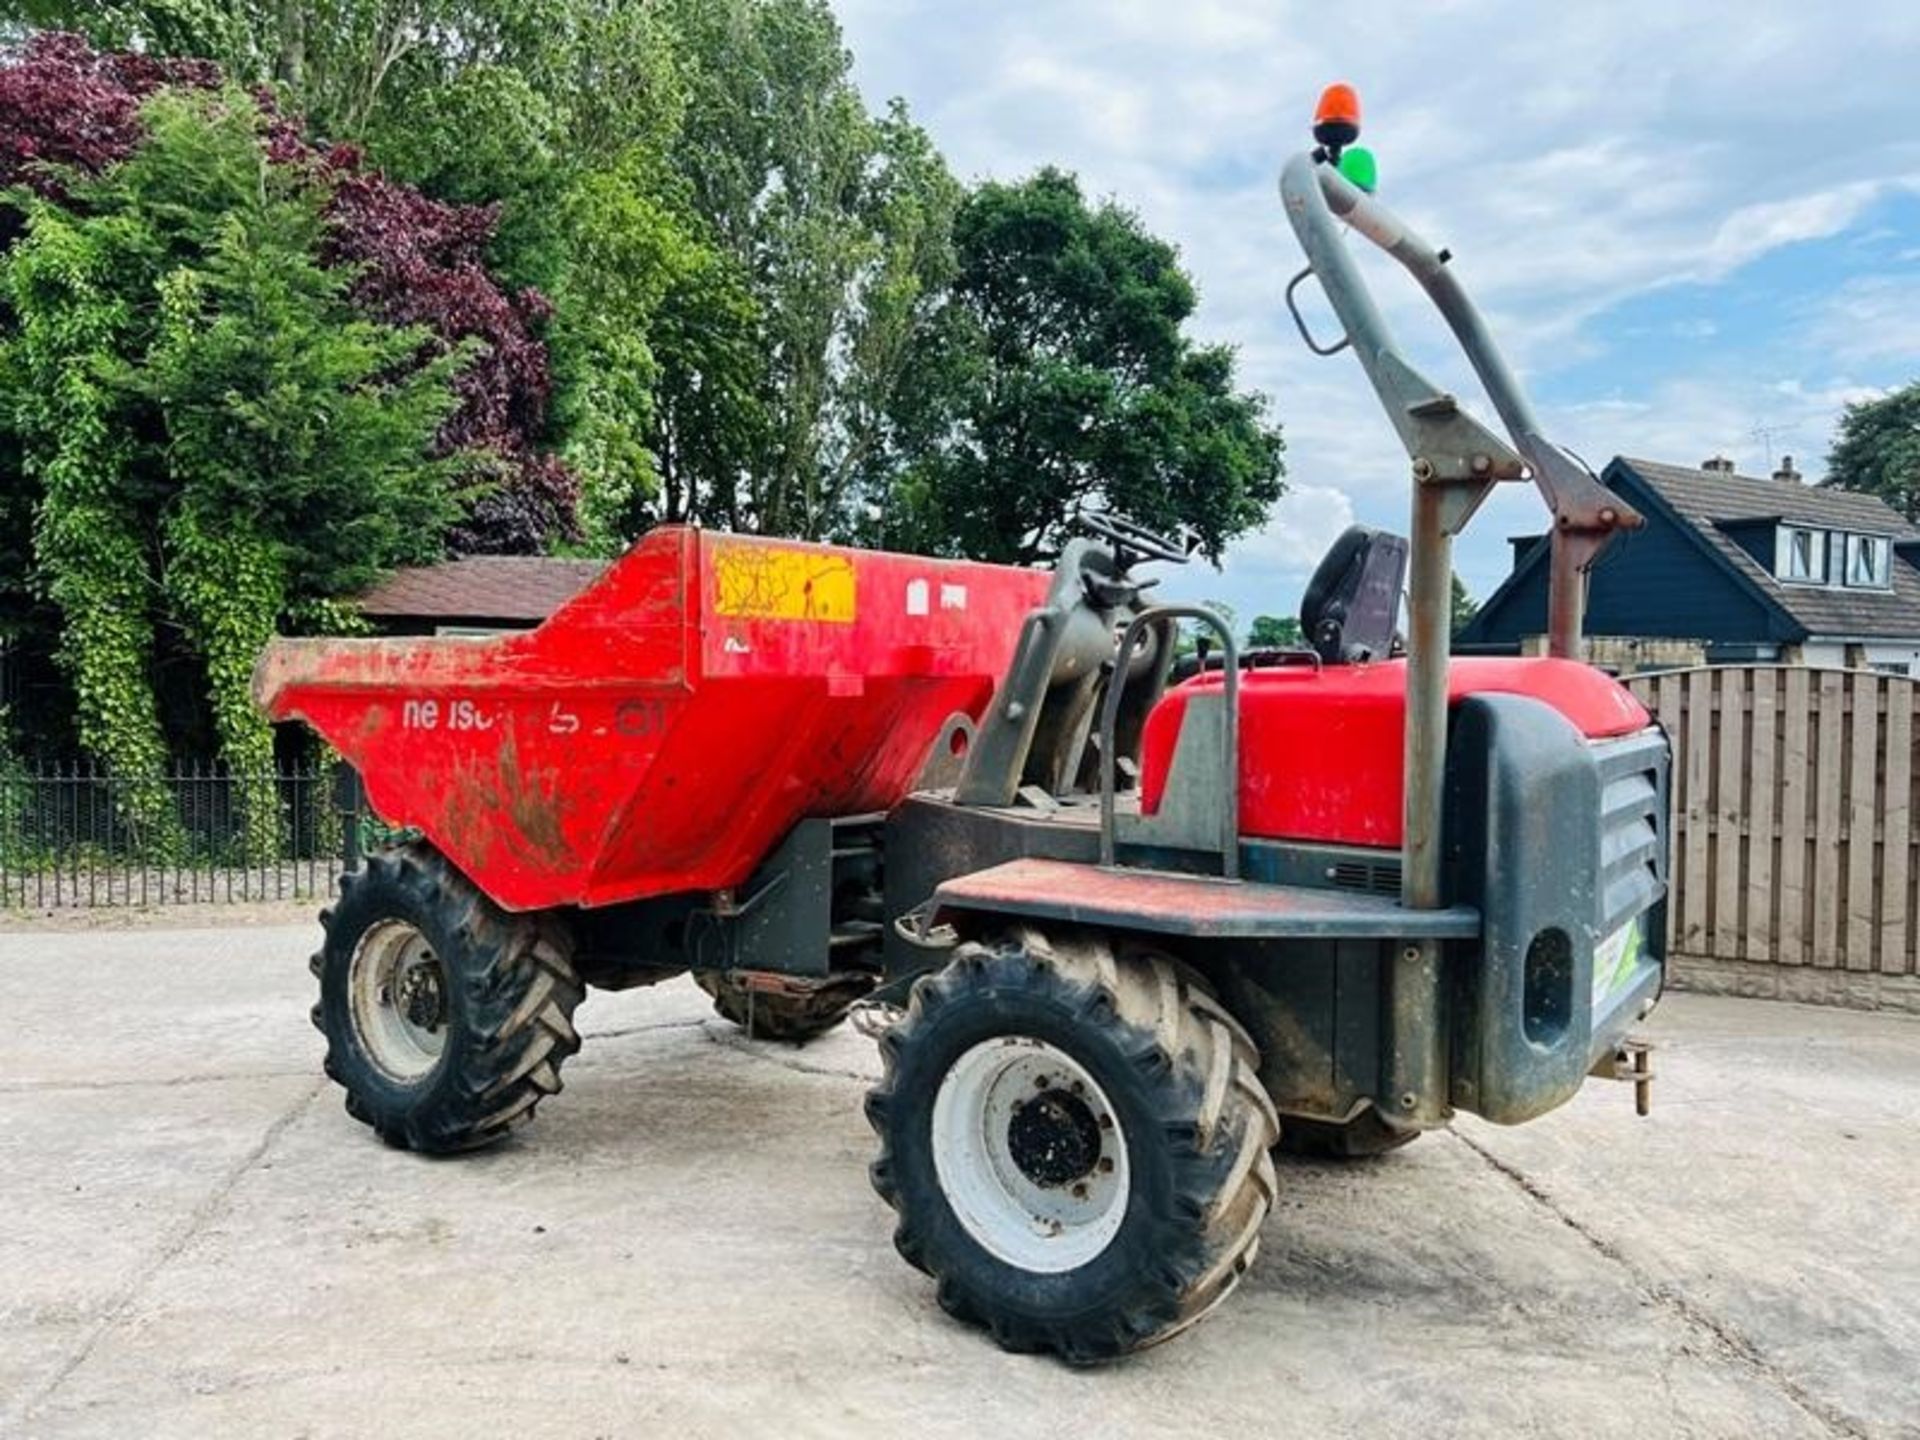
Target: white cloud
1753, 230
1266, 571
1871, 319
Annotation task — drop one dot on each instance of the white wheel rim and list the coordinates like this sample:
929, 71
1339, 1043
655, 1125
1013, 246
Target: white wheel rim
397, 989
1042, 1189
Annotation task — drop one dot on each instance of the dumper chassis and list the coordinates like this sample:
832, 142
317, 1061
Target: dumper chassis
1120, 937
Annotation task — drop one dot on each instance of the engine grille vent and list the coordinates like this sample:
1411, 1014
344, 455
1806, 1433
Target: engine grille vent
1633, 825
1375, 877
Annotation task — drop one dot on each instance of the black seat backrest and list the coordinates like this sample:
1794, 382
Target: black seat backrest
1351, 611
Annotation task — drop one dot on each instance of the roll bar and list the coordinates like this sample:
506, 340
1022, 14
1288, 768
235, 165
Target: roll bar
1229, 817
1446, 445
1456, 462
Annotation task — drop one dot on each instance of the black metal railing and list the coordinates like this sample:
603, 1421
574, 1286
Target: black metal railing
74, 835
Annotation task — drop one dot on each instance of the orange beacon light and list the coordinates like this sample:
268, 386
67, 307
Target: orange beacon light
1336, 120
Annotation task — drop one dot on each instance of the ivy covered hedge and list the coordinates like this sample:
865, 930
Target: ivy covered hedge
240, 376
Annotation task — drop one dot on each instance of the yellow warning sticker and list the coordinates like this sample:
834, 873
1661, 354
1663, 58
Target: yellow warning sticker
768, 582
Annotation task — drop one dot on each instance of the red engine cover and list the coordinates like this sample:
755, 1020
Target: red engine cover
1320, 750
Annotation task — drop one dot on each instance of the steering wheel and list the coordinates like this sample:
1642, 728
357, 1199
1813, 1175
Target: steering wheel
1125, 534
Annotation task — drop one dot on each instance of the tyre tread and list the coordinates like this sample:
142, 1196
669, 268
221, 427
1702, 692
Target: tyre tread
794, 1018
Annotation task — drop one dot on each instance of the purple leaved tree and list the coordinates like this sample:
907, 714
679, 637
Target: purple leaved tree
66, 108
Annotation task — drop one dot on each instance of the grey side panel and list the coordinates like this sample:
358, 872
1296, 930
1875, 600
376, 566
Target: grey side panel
1313, 1007
1554, 872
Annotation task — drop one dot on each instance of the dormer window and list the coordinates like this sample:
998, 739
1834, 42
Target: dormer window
1870, 562
1803, 555
1809, 556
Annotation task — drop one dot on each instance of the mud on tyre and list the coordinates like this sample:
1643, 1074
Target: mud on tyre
447, 1020
1075, 1143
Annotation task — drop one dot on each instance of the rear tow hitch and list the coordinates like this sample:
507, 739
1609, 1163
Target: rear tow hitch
1632, 1062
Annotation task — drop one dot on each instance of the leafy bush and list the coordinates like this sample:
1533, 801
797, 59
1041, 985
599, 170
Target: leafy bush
420, 262
65, 109
240, 376
218, 437
68, 113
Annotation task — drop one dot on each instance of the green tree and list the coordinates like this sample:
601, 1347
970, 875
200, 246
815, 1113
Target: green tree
161, 27
1274, 632
487, 137
634, 265
566, 115
841, 224
710, 415
1060, 376
218, 444
1195, 635
339, 63
1465, 607
573, 88
741, 256
658, 367
1876, 450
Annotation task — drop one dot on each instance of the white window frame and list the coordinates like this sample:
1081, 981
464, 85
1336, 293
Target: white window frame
1878, 552
1819, 561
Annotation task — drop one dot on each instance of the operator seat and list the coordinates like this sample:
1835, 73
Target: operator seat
1351, 611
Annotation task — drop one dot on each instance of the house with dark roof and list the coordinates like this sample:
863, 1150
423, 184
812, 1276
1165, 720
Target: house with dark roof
482, 595
1729, 569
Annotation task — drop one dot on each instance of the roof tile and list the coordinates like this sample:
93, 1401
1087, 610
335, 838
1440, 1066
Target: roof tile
483, 587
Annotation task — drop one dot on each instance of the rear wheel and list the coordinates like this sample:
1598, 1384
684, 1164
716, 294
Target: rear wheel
798, 1011
1075, 1143
446, 1019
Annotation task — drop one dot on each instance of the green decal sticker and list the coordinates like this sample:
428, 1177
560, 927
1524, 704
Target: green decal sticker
1617, 957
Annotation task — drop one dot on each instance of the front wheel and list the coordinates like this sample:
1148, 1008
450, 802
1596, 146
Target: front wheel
447, 1020
1075, 1143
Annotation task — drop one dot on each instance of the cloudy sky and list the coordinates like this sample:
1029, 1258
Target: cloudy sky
1695, 225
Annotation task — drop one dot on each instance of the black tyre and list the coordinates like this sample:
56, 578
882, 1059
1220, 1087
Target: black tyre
797, 1013
1364, 1135
1075, 1143
446, 1019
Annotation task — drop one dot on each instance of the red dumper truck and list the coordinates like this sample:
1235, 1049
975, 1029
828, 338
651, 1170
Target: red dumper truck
1121, 936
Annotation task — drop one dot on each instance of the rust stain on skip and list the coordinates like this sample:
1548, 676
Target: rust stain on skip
534, 801
493, 805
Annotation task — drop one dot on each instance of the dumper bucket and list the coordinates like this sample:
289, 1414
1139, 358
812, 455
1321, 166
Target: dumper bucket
664, 730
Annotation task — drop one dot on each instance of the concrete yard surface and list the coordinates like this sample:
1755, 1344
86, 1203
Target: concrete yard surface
199, 1242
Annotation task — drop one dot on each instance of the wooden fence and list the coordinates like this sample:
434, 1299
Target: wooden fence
1794, 860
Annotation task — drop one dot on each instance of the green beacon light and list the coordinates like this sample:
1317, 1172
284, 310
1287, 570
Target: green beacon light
1359, 166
